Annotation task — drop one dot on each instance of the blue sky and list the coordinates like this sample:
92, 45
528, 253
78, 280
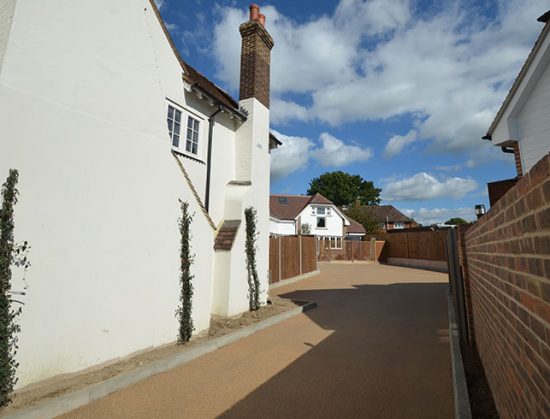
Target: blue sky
399, 92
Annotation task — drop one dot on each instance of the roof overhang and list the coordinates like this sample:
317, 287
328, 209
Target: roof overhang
203, 94
528, 69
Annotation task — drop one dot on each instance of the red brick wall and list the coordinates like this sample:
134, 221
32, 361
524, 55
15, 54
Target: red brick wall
508, 269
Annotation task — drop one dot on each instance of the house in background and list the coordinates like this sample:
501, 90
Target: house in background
315, 215
387, 217
522, 125
110, 129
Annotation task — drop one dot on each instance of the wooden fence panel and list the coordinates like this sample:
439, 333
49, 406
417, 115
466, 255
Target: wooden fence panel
286, 260
427, 245
274, 260
309, 254
290, 266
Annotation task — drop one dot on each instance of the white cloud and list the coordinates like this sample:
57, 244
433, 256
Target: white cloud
295, 153
335, 152
423, 186
283, 111
292, 155
396, 143
428, 217
160, 3
373, 60
449, 168
172, 26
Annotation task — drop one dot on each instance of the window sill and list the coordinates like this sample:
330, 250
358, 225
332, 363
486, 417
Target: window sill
187, 155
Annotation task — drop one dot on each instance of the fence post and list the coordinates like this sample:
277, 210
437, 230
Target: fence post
280, 263
301, 258
372, 255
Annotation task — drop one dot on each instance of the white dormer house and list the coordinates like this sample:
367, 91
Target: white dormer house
315, 215
110, 129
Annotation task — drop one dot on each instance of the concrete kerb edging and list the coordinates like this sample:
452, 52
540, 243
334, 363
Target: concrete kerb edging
293, 279
67, 402
460, 386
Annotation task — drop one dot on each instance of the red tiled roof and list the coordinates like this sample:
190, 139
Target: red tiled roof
383, 213
288, 207
355, 227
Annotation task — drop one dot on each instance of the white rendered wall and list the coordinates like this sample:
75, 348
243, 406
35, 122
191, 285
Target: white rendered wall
252, 156
534, 123
334, 222
282, 227
7, 10
83, 118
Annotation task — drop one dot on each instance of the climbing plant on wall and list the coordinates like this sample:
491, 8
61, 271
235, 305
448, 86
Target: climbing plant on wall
8, 327
250, 248
183, 313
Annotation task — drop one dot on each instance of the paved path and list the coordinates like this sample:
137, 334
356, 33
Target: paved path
376, 347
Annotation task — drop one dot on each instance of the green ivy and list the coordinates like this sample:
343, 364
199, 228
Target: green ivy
250, 247
8, 327
183, 313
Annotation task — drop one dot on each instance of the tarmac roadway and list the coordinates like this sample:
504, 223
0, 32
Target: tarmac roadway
376, 346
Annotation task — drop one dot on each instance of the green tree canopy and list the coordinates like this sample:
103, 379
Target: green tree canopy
370, 224
343, 189
456, 221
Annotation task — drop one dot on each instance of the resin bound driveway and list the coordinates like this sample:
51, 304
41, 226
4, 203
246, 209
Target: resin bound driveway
376, 347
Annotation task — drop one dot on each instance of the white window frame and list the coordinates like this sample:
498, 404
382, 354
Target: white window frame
192, 135
190, 131
335, 242
174, 125
398, 225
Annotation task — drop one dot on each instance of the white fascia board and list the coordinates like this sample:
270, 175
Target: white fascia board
506, 129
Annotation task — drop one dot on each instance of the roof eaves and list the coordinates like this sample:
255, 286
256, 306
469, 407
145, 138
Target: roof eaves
520, 76
188, 70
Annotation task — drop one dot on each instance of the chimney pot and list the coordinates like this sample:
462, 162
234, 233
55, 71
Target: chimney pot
262, 20
254, 12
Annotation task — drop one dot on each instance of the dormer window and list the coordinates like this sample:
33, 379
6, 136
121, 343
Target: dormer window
190, 143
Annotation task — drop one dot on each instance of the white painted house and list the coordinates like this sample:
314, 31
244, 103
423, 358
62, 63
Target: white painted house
87, 89
289, 215
522, 125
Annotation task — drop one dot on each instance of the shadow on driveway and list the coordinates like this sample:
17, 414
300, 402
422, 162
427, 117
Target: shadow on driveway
387, 357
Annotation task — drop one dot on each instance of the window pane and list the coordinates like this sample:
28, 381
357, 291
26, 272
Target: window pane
176, 140
196, 137
320, 210
188, 146
321, 222
170, 112
189, 122
178, 116
194, 150
177, 128
189, 134
169, 126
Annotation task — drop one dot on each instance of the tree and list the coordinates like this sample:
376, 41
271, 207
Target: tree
456, 221
343, 189
370, 224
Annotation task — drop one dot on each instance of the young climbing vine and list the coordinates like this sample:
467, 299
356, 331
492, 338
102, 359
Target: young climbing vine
250, 248
183, 313
8, 326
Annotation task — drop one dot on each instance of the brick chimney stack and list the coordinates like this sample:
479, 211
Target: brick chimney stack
255, 58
